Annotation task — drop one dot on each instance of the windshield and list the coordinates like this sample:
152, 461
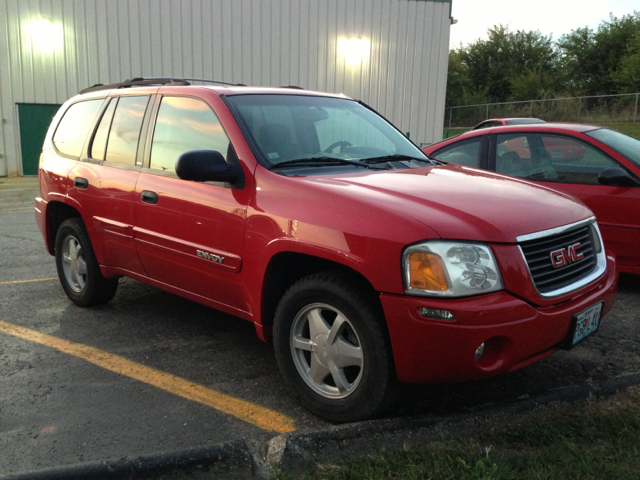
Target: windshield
312, 130
626, 146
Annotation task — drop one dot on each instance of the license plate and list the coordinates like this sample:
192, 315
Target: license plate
586, 322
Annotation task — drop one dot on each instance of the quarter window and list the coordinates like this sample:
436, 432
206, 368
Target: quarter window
185, 124
465, 153
124, 134
74, 127
99, 145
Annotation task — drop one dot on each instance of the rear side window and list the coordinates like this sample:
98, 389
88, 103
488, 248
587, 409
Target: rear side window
75, 124
185, 124
99, 145
465, 153
122, 144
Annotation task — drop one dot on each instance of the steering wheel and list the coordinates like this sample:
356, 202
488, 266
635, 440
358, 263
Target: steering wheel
341, 143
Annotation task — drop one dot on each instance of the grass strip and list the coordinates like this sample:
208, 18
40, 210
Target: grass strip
591, 439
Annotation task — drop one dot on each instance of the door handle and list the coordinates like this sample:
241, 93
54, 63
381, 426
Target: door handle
149, 197
80, 182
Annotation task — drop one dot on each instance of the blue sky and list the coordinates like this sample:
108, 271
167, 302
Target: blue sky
551, 17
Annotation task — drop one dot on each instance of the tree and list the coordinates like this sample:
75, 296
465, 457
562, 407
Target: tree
493, 64
460, 90
627, 76
593, 61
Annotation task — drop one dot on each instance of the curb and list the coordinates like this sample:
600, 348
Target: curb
300, 452
226, 460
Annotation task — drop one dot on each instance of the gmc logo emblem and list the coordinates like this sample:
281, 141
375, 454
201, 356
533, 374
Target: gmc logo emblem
565, 256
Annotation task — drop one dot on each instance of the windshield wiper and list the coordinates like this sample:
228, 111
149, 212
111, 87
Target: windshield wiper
398, 157
322, 162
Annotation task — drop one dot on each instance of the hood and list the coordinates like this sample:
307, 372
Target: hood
464, 203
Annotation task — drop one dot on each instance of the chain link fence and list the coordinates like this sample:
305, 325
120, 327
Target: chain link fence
593, 109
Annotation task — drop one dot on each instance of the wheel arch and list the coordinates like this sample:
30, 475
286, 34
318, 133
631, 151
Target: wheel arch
287, 267
57, 212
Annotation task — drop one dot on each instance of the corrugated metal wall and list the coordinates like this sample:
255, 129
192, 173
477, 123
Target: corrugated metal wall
256, 42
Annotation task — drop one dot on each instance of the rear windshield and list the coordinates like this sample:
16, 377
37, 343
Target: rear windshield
626, 146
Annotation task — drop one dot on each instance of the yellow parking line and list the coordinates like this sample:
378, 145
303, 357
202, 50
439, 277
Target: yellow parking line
249, 412
27, 281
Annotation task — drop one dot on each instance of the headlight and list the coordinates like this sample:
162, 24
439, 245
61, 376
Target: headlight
452, 269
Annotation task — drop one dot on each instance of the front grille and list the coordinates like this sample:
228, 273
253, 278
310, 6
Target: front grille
548, 278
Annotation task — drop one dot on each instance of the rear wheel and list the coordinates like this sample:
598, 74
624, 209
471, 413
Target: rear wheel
78, 268
332, 348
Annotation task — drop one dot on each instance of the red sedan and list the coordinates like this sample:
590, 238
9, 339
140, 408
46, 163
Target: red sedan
598, 165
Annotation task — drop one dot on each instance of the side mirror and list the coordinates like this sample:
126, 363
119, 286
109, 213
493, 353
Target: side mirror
206, 166
617, 177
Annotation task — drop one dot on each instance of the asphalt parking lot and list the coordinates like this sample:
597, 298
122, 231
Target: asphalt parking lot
151, 372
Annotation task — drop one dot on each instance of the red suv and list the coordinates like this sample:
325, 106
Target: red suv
312, 217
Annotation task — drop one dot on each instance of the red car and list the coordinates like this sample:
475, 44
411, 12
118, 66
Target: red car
310, 216
498, 122
599, 166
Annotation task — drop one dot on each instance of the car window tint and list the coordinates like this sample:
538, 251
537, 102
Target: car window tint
623, 144
74, 126
125, 130
341, 124
288, 127
99, 144
569, 160
462, 153
513, 155
185, 124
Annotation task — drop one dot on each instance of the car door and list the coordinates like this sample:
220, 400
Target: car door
571, 165
104, 181
190, 235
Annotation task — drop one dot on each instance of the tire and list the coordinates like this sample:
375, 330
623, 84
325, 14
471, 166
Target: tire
332, 348
78, 268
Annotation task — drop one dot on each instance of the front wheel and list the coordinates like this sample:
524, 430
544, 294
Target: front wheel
332, 348
78, 268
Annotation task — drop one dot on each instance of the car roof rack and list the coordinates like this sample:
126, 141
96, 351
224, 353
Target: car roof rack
144, 81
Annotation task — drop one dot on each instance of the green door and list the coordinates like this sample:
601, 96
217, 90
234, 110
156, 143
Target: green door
34, 121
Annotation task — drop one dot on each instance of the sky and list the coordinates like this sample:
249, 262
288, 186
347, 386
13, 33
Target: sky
551, 17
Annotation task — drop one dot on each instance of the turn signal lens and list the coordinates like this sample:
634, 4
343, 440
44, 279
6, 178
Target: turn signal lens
426, 272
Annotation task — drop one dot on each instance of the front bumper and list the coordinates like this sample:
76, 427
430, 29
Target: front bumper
515, 332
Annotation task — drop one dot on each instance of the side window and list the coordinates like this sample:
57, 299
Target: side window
122, 144
75, 124
99, 144
550, 158
513, 155
185, 124
571, 160
465, 153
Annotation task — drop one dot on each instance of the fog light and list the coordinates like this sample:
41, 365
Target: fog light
436, 313
479, 352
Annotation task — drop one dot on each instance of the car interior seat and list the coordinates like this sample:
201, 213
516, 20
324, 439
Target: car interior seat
542, 168
275, 141
510, 163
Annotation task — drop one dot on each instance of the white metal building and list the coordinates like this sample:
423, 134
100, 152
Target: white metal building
392, 54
